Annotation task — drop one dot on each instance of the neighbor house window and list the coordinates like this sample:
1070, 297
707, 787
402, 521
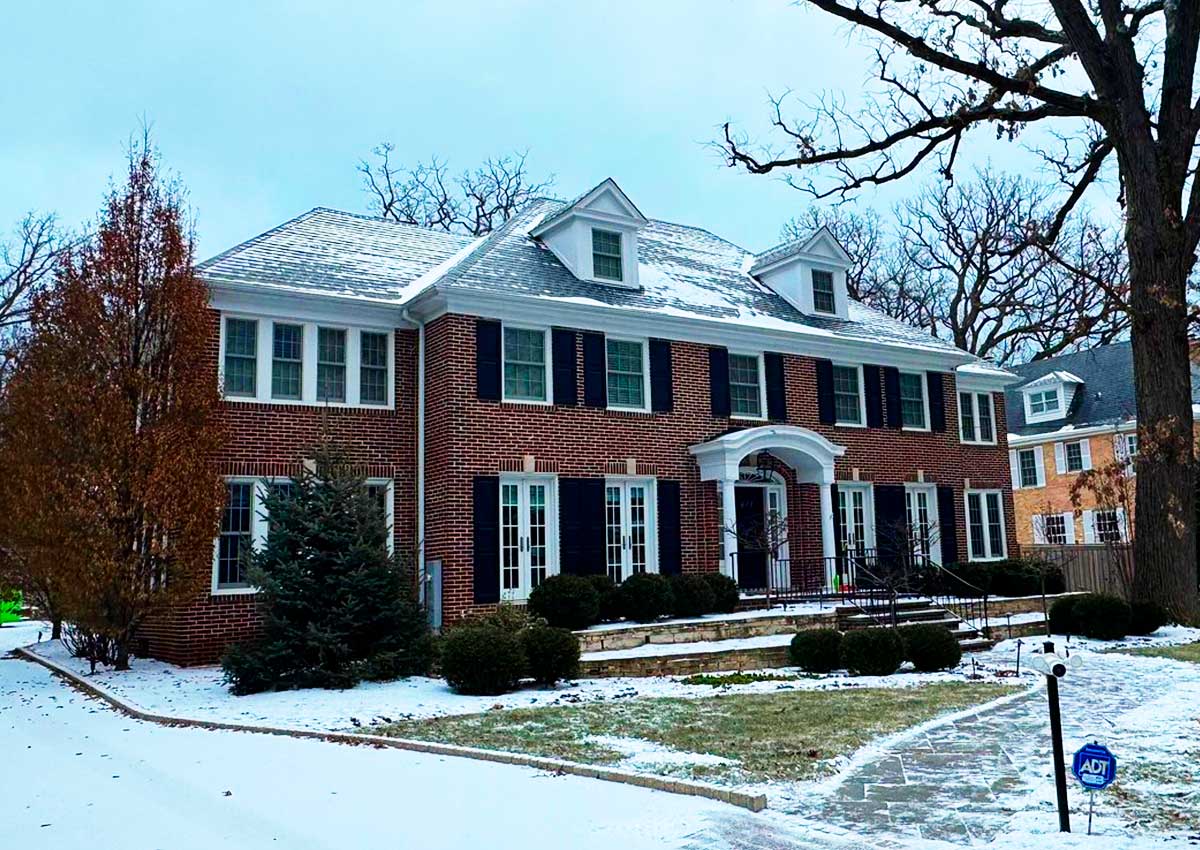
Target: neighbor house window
626, 373
287, 361
237, 525
331, 364
847, 398
822, 284
1106, 526
1027, 466
606, 254
241, 357
975, 417
1043, 402
524, 364
1054, 528
912, 400
745, 386
373, 370
985, 525
1074, 456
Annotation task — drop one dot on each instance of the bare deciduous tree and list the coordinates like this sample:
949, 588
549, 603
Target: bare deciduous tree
1115, 79
26, 264
427, 194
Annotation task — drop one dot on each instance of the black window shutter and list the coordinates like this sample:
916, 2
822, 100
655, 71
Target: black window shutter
891, 393
776, 386
562, 350
487, 360
670, 560
947, 525
874, 393
581, 526
937, 401
662, 393
718, 381
595, 372
825, 406
486, 507
891, 524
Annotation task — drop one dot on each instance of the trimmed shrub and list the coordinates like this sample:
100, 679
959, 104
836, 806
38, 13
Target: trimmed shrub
930, 647
1013, 577
1062, 616
817, 650
693, 596
872, 652
511, 618
606, 592
644, 597
1101, 616
1146, 618
725, 592
566, 602
482, 658
550, 654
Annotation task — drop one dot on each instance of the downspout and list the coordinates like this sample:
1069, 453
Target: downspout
420, 445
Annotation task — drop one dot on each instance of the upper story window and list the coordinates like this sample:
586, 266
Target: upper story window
373, 369
912, 401
1044, 402
1126, 447
525, 364
1073, 454
626, 368
287, 361
1029, 468
976, 418
606, 254
331, 364
745, 386
822, 285
847, 395
241, 357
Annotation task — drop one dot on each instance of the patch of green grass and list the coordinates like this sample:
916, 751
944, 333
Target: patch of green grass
1184, 652
718, 680
787, 735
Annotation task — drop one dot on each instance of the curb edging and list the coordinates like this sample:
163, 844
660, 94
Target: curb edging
742, 799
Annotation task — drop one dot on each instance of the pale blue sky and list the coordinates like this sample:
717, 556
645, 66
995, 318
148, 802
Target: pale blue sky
263, 108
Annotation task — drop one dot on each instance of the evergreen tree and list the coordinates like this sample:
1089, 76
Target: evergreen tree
337, 608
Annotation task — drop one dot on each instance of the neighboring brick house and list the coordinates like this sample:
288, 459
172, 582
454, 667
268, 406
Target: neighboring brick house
586, 390
1070, 414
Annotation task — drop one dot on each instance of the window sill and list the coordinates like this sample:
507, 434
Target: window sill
235, 591
983, 443
745, 417
532, 402
616, 408
987, 560
294, 402
849, 424
915, 430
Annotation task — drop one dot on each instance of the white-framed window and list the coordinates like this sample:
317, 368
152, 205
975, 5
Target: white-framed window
977, 418
921, 511
1043, 402
914, 401
856, 510
628, 373
528, 533
822, 289
287, 361
1054, 529
985, 525
241, 357
747, 386
1072, 457
1030, 470
1125, 447
849, 403
526, 364
606, 255
631, 541
1105, 525
373, 369
331, 364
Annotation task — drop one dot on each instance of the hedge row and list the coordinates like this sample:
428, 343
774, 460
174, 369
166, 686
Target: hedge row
576, 602
1013, 577
1105, 617
493, 655
876, 652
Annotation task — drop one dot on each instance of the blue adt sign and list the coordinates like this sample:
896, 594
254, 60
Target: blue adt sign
1095, 767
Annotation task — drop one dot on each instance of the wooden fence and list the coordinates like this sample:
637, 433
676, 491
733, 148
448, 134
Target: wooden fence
1100, 567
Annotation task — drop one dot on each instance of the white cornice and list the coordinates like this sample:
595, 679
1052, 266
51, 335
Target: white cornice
290, 303
1069, 433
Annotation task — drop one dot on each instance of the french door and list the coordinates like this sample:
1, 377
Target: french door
528, 535
856, 513
629, 528
921, 506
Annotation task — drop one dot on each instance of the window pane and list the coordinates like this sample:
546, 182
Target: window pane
845, 395
1028, 464
912, 400
1056, 529
966, 418
1074, 452
287, 361
241, 350
745, 396
986, 434
613, 548
625, 375
606, 254
823, 300
637, 528
236, 524
537, 535
975, 526
524, 364
510, 553
372, 381
331, 365
995, 532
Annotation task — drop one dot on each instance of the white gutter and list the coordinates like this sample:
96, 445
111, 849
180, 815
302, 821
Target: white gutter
1070, 433
420, 442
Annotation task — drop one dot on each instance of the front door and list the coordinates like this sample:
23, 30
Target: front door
751, 531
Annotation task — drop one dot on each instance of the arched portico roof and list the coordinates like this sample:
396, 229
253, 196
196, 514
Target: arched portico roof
807, 452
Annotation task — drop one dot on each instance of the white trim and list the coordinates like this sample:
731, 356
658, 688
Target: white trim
645, 346
808, 453
524, 567
762, 386
1060, 410
624, 482
1039, 468
983, 494
868, 489
974, 396
547, 372
1069, 432
924, 378
862, 397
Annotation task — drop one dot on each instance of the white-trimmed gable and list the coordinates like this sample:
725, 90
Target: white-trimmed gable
804, 270
1049, 397
595, 236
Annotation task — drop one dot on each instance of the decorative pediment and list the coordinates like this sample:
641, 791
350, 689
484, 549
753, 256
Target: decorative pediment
595, 236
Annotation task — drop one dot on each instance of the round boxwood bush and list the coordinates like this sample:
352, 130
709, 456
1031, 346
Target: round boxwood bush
566, 602
1146, 618
1062, 616
606, 592
817, 650
930, 647
693, 596
550, 654
725, 592
482, 658
1101, 616
872, 652
644, 597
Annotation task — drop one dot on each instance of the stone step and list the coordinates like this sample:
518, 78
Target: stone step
913, 615
904, 604
740, 626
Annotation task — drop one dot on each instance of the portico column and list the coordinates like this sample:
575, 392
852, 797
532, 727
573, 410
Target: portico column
828, 533
729, 529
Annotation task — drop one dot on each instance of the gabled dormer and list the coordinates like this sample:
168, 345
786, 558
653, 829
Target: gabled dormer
1049, 397
810, 273
595, 236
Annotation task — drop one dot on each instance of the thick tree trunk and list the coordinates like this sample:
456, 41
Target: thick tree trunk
1165, 519
56, 628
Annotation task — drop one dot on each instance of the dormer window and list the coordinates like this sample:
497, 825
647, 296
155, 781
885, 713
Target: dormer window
1044, 402
822, 285
606, 254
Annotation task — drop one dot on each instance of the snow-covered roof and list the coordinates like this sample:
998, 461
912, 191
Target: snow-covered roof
793, 247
